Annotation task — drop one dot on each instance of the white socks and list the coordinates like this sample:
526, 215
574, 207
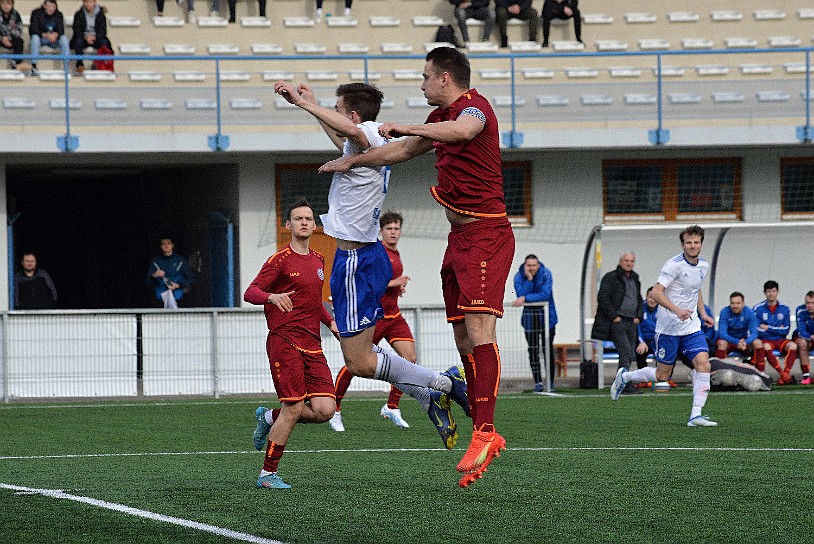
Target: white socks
399, 371
700, 391
269, 417
646, 374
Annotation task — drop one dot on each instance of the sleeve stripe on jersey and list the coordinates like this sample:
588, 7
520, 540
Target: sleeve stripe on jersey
474, 112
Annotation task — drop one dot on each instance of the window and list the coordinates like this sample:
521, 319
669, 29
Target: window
797, 181
517, 191
302, 180
672, 190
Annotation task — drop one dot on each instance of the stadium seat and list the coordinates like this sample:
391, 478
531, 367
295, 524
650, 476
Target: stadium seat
255, 22
697, 43
429, 46
327, 102
711, 70
727, 98
796, 67
11, 75
321, 75
266, 49
670, 71
805, 13
683, 17
309, 48
408, 75
134, 49
359, 75
624, 71
156, 104
342, 22
506, 101
639, 18
353, 48
417, 102
481, 47
234, 75
725, 15
222, 49
756, 69
772, 96
611, 45
683, 98
14, 103
53, 75
537, 73
178, 49
428, 20
596, 100
597, 19
59, 104
168, 21
245, 104
189, 75
384, 21
578, 72
640, 99
124, 22
144, 76
297, 22
769, 15
547, 100
563, 45
390, 47
110, 104
495, 73
99, 75
784, 41
525, 47
212, 22
276, 75
740, 43
200, 104
652, 44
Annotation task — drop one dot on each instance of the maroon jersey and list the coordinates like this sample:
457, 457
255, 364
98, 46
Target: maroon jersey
390, 300
287, 271
470, 174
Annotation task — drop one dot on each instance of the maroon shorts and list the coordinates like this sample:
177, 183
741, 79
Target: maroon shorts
298, 374
394, 329
476, 264
779, 345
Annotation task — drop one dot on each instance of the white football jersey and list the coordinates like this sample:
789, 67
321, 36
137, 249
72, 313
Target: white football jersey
682, 282
356, 197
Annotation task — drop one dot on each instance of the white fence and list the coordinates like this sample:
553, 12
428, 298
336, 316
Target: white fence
159, 353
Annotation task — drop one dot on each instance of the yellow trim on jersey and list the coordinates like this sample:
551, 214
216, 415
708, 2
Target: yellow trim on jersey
463, 212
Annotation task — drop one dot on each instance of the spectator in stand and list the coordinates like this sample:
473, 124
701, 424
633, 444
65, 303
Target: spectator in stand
773, 324
515, 9
804, 335
89, 30
33, 287
170, 275
159, 5
535, 283
318, 18
11, 34
473, 9
47, 27
561, 9
737, 331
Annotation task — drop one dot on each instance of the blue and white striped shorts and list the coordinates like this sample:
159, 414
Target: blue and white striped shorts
358, 281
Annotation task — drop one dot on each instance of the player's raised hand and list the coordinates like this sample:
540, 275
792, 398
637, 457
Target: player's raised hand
288, 91
282, 301
342, 164
307, 93
393, 130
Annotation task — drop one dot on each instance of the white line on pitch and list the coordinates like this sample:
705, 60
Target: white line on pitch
400, 450
59, 494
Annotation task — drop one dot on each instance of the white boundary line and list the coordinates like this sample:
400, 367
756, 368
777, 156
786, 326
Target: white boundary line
59, 494
402, 450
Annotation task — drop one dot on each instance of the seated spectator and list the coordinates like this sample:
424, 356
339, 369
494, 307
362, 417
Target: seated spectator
804, 335
515, 9
348, 4
773, 324
561, 9
159, 5
89, 30
47, 27
737, 331
33, 287
473, 9
11, 33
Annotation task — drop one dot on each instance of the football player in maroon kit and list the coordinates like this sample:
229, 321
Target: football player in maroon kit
392, 327
289, 286
463, 132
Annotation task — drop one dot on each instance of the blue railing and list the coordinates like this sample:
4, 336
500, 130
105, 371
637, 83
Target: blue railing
516, 91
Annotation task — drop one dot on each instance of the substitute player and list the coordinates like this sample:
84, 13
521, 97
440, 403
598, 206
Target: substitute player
361, 269
289, 286
773, 325
678, 326
804, 335
463, 131
392, 327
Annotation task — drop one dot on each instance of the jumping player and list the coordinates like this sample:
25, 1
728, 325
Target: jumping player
678, 326
361, 269
463, 131
289, 286
804, 335
392, 327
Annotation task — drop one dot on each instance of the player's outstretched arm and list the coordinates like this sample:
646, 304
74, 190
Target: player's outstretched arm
335, 125
462, 129
391, 153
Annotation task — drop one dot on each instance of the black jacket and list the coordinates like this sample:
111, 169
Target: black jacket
41, 22
609, 299
80, 24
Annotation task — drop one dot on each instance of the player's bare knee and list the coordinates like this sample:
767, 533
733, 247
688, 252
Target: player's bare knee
663, 375
757, 344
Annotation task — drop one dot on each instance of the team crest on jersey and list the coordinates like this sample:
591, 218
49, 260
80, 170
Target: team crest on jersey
660, 353
321, 274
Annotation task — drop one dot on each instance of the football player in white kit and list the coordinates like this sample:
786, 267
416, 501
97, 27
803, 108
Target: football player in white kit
678, 326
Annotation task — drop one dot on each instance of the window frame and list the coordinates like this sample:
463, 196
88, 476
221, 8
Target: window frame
526, 219
792, 161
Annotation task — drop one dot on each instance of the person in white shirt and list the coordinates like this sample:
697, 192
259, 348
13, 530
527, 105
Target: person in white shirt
362, 269
678, 325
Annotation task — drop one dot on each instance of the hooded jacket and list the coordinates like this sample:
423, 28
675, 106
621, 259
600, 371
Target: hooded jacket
538, 289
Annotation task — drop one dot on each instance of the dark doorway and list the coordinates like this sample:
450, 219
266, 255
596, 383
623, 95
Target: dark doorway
95, 230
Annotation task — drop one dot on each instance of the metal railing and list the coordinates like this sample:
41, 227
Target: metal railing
191, 352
